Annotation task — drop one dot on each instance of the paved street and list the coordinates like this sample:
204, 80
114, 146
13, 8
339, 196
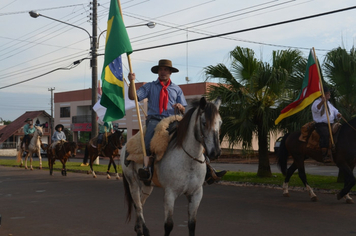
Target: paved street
32, 203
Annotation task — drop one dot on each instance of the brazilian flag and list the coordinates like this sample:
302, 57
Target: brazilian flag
117, 43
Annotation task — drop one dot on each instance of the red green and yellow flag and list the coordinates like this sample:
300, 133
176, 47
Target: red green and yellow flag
117, 43
309, 92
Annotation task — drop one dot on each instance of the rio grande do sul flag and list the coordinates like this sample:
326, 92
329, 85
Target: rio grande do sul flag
117, 43
309, 92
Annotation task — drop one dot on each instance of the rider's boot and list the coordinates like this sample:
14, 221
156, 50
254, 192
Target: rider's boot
211, 175
145, 172
327, 155
100, 153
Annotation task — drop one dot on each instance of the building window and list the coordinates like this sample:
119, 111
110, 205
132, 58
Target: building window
64, 112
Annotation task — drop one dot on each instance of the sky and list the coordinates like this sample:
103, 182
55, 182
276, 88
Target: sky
31, 47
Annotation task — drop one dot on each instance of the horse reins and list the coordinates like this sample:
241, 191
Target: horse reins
202, 136
348, 123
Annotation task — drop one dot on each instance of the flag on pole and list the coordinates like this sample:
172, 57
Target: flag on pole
100, 110
309, 92
117, 43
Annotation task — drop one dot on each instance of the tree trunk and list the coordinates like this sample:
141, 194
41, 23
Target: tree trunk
264, 168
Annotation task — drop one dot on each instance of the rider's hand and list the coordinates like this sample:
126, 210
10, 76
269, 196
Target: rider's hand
179, 106
131, 76
339, 115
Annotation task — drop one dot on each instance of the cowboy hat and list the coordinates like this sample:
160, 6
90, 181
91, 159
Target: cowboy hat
59, 125
166, 63
28, 119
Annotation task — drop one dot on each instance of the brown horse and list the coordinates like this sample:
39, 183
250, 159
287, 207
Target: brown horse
68, 149
344, 157
114, 143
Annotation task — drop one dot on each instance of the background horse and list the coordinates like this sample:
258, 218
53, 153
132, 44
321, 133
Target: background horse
181, 170
344, 158
33, 147
114, 143
68, 149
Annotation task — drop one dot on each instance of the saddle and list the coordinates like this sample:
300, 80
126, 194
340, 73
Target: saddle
311, 137
159, 143
94, 141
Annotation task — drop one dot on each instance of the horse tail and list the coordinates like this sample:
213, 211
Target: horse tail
283, 155
128, 198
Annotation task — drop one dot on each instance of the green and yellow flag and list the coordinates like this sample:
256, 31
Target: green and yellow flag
117, 43
309, 92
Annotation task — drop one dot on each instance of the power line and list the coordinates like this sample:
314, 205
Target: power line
43, 9
248, 29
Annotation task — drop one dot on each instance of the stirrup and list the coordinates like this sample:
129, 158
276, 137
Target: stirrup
144, 174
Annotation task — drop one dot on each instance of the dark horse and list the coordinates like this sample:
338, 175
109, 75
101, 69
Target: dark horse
68, 149
114, 143
344, 157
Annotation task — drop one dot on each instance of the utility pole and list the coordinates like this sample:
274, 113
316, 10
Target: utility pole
51, 121
94, 71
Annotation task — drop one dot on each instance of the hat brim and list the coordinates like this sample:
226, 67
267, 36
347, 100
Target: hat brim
155, 69
57, 126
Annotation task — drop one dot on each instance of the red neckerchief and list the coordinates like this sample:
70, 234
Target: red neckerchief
163, 96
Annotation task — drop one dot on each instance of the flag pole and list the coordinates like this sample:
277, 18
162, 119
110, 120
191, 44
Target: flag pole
143, 110
135, 95
322, 94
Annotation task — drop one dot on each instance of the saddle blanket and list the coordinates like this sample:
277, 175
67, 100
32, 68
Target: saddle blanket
159, 142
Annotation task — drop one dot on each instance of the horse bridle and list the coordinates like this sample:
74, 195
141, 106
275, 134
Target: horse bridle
115, 145
202, 142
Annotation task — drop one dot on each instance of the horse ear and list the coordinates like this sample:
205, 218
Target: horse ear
202, 103
217, 102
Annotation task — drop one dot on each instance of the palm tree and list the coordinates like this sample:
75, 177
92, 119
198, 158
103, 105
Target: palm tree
252, 92
340, 69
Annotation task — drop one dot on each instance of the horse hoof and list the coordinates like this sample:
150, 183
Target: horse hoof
118, 177
26, 167
40, 168
88, 172
94, 176
349, 201
108, 177
314, 199
20, 165
286, 195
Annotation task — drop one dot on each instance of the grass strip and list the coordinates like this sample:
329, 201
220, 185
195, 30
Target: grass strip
315, 181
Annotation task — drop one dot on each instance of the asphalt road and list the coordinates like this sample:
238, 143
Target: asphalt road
33, 203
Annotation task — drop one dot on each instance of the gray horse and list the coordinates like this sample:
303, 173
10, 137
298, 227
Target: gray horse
181, 170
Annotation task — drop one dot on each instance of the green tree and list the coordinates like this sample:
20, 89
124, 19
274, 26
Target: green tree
340, 69
252, 92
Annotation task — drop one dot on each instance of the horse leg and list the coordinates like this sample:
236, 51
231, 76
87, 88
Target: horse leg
139, 196
348, 184
303, 177
289, 174
64, 171
31, 167
115, 168
40, 159
108, 171
91, 166
169, 199
194, 202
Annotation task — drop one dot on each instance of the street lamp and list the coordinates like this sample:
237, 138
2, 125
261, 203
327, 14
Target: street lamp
93, 63
94, 57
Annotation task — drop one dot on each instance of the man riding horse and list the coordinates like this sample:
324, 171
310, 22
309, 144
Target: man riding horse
58, 137
164, 98
28, 130
104, 130
321, 125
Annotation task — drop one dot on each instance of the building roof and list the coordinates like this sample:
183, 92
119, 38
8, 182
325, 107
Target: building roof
17, 124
